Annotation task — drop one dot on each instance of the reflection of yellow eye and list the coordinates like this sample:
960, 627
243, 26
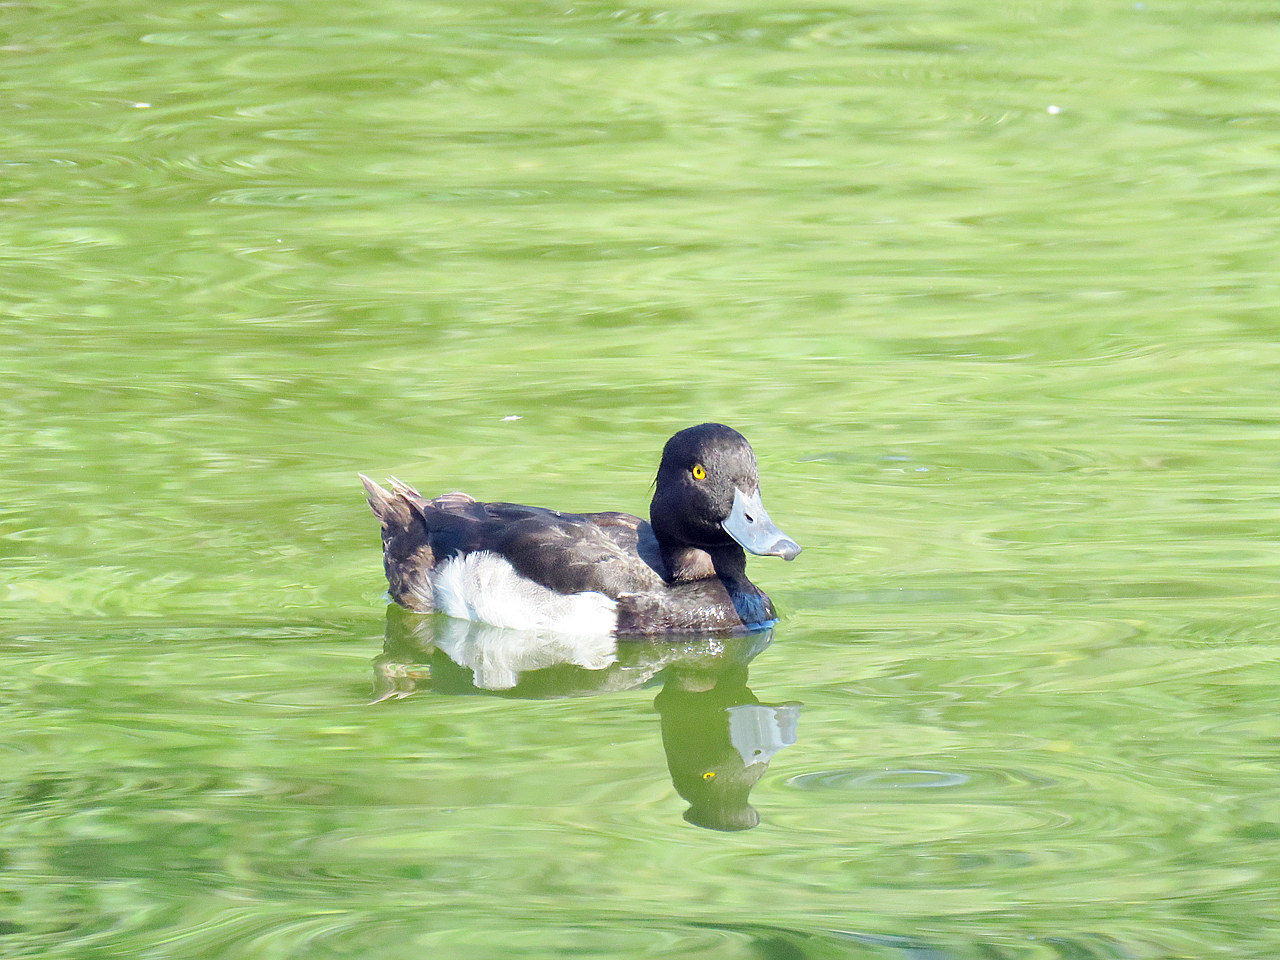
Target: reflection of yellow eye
699, 473
709, 775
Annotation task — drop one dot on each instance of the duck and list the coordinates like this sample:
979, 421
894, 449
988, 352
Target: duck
532, 568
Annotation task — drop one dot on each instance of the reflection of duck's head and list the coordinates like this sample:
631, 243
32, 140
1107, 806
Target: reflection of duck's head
718, 739
723, 804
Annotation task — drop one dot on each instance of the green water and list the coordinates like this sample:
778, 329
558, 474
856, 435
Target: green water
992, 290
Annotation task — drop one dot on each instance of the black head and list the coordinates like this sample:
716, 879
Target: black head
708, 495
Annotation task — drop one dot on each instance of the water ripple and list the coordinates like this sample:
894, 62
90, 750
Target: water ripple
296, 37
906, 779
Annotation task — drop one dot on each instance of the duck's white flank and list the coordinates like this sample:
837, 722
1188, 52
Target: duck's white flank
483, 586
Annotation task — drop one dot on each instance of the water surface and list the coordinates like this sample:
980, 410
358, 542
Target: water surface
991, 291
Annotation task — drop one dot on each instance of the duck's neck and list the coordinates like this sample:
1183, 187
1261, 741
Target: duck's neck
729, 565
685, 563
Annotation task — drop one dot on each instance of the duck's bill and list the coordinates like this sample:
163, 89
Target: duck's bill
749, 524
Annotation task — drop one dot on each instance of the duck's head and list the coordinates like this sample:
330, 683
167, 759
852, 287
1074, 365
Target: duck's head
707, 495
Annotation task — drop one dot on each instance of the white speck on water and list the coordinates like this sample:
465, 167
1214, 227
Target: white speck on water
511, 417
1054, 109
141, 106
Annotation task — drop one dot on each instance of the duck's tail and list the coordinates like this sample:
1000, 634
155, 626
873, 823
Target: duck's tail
406, 546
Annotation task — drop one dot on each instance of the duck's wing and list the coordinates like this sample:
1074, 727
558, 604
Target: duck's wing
573, 552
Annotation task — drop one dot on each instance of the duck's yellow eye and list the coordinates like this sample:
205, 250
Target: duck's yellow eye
699, 472
709, 775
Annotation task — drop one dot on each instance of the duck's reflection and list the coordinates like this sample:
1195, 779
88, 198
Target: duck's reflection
719, 739
717, 735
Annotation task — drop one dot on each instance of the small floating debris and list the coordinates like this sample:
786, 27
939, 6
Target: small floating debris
1053, 108
511, 417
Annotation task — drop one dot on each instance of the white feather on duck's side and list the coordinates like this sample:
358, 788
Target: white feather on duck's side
483, 586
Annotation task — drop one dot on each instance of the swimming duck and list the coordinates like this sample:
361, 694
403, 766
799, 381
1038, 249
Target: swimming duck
537, 569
